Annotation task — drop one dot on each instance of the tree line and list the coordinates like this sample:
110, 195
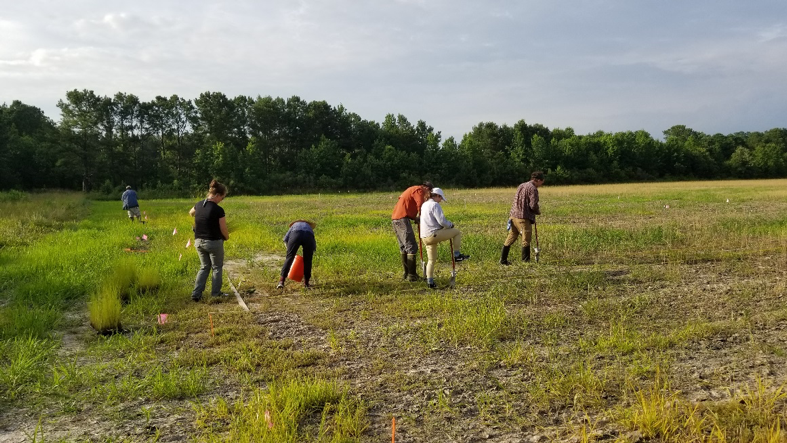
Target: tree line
269, 145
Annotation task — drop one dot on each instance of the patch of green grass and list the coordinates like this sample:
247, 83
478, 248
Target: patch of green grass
23, 361
105, 308
298, 410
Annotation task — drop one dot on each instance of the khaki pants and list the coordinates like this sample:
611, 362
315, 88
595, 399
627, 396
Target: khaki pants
523, 226
431, 246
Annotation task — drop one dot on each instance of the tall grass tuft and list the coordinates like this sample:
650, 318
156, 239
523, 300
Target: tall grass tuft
123, 277
291, 411
104, 307
148, 280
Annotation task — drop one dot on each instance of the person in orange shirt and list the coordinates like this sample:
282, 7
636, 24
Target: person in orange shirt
407, 210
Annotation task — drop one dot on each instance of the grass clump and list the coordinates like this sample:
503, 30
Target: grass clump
754, 415
148, 280
298, 410
105, 307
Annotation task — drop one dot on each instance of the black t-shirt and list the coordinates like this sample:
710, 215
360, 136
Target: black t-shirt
206, 220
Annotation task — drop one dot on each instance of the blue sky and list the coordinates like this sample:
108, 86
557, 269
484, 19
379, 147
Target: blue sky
715, 66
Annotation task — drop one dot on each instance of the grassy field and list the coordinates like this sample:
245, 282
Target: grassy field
657, 313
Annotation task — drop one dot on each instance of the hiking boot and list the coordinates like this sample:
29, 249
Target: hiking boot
504, 256
280, 285
432, 285
461, 257
196, 298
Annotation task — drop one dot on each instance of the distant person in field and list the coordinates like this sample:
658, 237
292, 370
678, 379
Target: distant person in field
522, 216
405, 212
210, 233
300, 234
130, 204
435, 228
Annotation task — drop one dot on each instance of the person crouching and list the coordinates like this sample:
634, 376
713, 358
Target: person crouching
300, 234
435, 228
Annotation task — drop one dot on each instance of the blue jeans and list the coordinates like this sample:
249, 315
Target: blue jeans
211, 256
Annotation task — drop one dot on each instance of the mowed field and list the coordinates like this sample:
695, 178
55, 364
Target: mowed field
658, 312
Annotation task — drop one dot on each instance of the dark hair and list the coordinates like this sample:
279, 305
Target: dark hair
428, 184
217, 188
537, 175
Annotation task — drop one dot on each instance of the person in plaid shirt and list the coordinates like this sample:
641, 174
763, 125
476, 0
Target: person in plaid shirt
523, 216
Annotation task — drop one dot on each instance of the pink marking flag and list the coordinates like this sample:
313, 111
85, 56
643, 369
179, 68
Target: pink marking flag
144, 212
188, 243
162, 318
268, 419
174, 231
138, 239
666, 206
180, 256
146, 217
145, 237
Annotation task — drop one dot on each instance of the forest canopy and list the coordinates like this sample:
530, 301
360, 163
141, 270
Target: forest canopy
268, 145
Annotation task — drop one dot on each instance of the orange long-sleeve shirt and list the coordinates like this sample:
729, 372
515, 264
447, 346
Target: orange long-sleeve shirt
409, 203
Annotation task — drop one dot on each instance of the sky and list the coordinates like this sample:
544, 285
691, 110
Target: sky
716, 66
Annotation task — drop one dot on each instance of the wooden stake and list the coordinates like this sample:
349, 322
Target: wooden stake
241, 303
393, 430
210, 316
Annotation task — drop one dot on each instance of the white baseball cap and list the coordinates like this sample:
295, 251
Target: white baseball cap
439, 192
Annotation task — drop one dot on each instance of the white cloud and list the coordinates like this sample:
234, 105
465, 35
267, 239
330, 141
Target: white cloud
593, 65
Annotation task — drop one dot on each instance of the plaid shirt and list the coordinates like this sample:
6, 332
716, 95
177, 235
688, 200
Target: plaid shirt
525, 202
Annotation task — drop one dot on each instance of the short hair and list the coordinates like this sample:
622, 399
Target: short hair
537, 175
428, 184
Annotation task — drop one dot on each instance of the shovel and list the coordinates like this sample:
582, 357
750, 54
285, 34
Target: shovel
452, 281
421, 249
537, 250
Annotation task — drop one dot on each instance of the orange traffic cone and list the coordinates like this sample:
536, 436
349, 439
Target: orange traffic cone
296, 270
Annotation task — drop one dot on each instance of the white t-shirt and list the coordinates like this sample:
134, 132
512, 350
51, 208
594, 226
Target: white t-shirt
432, 218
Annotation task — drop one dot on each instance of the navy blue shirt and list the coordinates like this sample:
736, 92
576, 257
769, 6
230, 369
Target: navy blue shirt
129, 199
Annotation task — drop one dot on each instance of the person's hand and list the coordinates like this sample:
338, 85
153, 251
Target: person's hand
417, 220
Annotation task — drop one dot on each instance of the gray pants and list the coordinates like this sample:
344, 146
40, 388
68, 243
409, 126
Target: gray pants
211, 256
404, 234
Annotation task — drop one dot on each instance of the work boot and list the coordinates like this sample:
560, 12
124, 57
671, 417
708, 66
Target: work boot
526, 253
504, 256
412, 272
404, 265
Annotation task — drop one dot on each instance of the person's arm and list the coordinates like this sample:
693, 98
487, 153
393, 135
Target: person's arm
439, 216
534, 202
223, 227
192, 211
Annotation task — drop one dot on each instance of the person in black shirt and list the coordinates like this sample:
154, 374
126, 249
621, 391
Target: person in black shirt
210, 233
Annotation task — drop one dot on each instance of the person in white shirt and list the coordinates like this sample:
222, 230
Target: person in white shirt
435, 228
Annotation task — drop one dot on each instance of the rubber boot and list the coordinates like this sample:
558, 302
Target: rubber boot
504, 256
412, 268
404, 265
526, 253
